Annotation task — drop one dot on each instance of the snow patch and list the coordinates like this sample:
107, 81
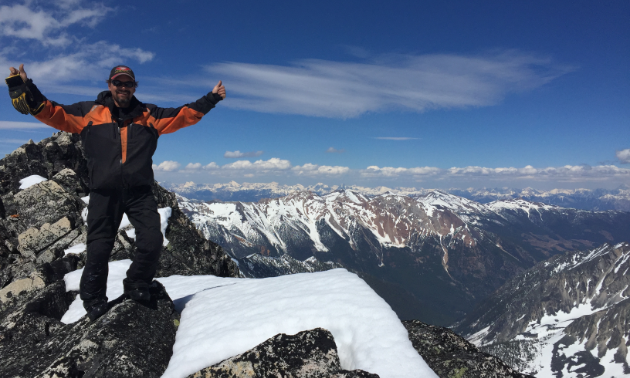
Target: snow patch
29, 181
223, 317
81, 247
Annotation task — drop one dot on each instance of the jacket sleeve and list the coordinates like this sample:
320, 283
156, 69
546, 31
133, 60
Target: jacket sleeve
70, 118
169, 120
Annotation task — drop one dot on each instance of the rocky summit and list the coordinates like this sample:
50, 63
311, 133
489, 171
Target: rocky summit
122, 343
43, 234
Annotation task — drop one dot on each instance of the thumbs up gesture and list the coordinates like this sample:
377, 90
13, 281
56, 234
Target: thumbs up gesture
21, 72
219, 89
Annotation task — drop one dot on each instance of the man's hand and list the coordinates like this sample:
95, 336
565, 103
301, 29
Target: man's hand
21, 72
18, 90
218, 89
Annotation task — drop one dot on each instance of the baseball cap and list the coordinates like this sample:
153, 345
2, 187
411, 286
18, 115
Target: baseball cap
121, 70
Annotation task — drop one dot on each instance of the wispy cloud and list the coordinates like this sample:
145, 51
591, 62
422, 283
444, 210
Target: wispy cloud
91, 62
238, 154
406, 82
48, 25
36, 28
396, 138
10, 125
566, 173
333, 150
624, 156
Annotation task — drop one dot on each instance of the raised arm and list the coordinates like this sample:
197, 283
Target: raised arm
26, 98
169, 120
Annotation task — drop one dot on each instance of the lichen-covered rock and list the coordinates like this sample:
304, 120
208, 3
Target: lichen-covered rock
130, 340
451, 356
308, 354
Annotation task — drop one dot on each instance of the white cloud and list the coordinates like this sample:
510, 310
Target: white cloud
238, 154
396, 138
309, 169
624, 156
333, 150
264, 165
275, 167
10, 125
167, 166
417, 83
48, 25
567, 172
199, 166
374, 171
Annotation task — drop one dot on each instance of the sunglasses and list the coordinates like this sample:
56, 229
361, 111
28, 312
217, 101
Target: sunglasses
124, 84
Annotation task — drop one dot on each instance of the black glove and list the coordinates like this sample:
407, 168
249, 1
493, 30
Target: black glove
18, 92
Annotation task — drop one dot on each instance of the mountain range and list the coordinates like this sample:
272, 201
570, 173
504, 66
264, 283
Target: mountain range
585, 199
432, 257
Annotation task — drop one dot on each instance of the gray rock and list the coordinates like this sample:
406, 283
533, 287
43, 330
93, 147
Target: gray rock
450, 355
33, 240
130, 340
308, 354
47, 202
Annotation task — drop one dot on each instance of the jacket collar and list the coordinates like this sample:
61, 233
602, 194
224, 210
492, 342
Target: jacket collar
105, 98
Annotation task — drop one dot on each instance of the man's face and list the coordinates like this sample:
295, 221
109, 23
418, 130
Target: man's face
122, 95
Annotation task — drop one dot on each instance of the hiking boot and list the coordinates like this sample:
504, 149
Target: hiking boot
96, 309
138, 292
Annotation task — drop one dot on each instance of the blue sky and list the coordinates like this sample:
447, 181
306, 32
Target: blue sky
423, 93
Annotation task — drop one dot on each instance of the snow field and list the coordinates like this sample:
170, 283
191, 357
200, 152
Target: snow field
223, 317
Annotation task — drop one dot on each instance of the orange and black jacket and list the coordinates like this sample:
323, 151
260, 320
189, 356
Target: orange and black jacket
119, 151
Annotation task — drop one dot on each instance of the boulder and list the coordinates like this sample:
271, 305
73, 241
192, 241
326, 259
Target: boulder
450, 355
308, 354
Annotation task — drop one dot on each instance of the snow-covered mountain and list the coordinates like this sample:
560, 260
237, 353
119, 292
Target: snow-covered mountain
446, 251
566, 317
585, 199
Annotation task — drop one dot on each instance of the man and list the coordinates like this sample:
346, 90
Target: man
119, 135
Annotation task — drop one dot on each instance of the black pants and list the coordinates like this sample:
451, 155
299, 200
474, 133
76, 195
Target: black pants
105, 212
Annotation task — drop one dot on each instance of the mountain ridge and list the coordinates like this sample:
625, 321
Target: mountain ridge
437, 240
584, 199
